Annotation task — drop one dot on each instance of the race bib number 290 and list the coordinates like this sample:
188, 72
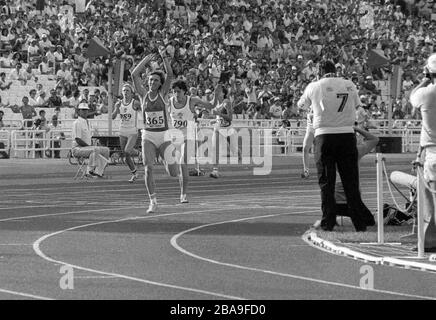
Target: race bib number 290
155, 120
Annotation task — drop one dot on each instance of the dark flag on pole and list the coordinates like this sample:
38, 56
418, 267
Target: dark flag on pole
96, 48
376, 59
40, 4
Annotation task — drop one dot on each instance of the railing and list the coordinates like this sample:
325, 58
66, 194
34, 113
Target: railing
54, 143
39, 143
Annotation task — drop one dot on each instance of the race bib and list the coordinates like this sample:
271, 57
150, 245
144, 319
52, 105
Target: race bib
180, 123
126, 117
154, 119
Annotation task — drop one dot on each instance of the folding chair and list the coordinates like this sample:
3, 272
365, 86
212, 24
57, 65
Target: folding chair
82, 164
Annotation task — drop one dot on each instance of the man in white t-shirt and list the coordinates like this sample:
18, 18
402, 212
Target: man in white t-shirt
333, 101
82, 146
423, 97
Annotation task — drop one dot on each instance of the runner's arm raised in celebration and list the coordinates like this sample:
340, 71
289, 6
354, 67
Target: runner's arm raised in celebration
168, 70
136, 74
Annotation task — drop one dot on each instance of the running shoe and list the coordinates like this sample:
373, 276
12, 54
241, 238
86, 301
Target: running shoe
183, 198
152, 207
305, 174
133, 178
92, 173
214, 173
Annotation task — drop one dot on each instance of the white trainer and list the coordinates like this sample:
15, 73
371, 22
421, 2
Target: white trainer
183, 199
133, 178
214, 173
152, 207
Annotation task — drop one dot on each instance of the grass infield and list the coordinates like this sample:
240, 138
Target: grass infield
346, 233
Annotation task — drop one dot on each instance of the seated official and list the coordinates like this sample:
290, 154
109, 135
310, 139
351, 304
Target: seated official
82, 136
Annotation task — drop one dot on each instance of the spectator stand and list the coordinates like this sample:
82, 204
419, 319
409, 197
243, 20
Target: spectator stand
209, 41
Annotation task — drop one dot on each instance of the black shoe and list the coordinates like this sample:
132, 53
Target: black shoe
92, 173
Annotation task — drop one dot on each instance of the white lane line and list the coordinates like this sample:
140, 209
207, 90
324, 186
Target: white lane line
95, 277
23, 294
164, 183
70, 212
15, 244
287, 275
170, 183
174, 187
30, 207
39, 252
12, 192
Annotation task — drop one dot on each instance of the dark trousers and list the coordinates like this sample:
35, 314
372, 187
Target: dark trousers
331, 151
282, 143
344, 210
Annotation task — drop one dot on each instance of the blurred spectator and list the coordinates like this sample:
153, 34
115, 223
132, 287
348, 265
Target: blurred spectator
4, 154
41, 99
28, 112
44, 67
17, 73
54, 100
3, 84
37, 136
56, 137
282, 134
33, 98
2, 125
275, 110
29, 74
398, 114
280, 42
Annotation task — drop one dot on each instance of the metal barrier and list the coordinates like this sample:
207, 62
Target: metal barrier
39, 143
32, 143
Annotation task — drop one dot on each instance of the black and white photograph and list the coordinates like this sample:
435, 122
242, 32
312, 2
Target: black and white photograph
218, 159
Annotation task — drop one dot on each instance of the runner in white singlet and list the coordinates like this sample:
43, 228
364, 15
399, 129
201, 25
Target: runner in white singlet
182, 119
224, 116
128, 109
156, 140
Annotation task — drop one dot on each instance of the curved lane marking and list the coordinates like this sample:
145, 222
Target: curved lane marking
27, 295
38, 251
287, 275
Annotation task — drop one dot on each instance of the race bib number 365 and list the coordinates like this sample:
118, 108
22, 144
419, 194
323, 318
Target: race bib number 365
155, 119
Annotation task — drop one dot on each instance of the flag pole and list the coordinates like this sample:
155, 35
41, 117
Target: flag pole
110, 99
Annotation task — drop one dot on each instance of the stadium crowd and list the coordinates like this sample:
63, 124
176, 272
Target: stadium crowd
266, 52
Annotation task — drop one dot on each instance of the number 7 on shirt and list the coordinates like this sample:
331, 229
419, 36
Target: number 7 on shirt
344, 97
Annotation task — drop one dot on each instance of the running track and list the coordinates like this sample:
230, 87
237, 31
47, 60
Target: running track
238, 238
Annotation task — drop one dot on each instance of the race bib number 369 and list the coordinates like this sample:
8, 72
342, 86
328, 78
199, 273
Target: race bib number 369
154, 120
